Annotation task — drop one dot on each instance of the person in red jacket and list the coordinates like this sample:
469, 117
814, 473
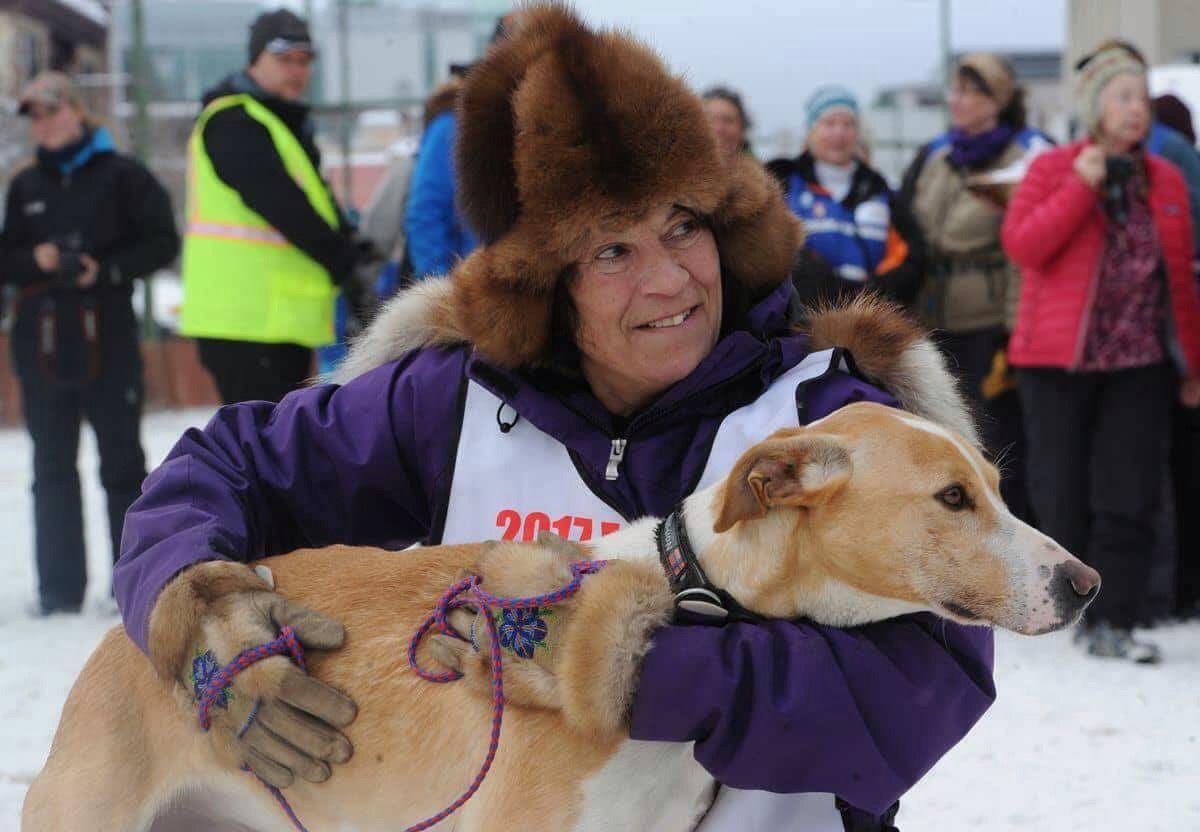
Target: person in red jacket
1107, 334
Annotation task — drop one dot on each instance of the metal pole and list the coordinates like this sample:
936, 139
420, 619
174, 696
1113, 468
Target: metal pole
947, 55
140, 77
344, 78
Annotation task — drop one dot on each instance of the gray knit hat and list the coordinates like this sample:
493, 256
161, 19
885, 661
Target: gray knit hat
1094, 75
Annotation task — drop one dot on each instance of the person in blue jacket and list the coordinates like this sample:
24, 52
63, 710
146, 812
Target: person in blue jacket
856, 235
629, 301
436, 234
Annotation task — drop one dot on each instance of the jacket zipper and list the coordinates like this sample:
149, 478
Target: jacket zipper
621, 443
613, 470
1081, 335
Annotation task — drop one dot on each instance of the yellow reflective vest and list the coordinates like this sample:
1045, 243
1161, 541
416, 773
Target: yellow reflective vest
242, 281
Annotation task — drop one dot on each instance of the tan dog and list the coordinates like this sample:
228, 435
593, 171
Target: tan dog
784, 534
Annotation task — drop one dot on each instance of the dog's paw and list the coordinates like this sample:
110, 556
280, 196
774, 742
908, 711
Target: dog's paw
612, 622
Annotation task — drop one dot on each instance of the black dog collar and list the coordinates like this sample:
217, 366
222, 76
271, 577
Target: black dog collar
695, 594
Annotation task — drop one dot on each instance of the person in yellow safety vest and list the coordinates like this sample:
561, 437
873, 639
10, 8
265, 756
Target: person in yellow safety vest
266, 250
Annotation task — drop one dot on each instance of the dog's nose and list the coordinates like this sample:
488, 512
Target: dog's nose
1084, 579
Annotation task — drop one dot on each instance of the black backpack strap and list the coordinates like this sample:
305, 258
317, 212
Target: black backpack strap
856, 820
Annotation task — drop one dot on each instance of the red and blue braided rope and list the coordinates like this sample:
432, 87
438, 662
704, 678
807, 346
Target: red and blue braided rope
452, 599
287, 643
486, 602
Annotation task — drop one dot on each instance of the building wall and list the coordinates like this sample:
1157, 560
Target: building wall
1164, 30
395, 52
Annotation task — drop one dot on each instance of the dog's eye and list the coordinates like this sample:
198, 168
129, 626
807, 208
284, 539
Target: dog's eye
954, 498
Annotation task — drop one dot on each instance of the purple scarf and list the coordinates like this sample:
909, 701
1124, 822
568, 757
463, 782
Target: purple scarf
972, 151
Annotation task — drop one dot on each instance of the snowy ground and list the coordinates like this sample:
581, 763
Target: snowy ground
1071, 744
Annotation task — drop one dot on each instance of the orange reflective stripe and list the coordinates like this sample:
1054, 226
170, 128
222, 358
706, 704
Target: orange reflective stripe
894, 254
242, 233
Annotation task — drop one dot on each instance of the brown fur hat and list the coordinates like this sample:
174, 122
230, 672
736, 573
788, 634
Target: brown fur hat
563, 129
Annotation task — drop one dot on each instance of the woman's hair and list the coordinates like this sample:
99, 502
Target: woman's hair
726, 94
1171, 110
1013, 113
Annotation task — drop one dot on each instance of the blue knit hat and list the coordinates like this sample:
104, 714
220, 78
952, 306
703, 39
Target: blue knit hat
831, 97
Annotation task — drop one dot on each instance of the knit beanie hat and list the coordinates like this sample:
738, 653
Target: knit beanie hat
277, 32
996, 74
826, 99
1094, 75
50, 89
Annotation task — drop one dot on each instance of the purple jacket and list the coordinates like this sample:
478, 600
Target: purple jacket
787, 706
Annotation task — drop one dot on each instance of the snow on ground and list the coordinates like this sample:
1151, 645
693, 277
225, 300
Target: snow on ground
1071, 744
39, 658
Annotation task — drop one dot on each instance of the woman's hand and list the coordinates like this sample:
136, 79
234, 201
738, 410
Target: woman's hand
46, 257
1189, 392
1090, 166
273, 717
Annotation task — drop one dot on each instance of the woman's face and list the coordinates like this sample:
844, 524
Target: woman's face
727, 126
834, 138
55, 126
1124, 112
648, 301
971, 109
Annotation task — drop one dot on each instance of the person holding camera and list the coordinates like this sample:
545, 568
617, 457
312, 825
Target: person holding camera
81, 224
1107, 335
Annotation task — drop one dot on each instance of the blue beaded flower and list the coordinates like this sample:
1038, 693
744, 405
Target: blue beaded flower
204, 668
522, 630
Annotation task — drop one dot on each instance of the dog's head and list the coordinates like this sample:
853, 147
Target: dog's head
872, 512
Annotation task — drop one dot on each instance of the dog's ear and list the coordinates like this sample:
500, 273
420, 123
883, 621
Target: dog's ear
795, 471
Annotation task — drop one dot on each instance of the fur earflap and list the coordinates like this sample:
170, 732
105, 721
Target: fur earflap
757, 234
895, 352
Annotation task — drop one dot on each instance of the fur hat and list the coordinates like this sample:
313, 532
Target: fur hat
563, 129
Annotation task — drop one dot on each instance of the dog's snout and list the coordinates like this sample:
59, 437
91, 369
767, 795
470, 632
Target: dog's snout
1083, 579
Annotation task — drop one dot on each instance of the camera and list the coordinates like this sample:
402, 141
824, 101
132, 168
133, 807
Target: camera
70, 247
1118, 171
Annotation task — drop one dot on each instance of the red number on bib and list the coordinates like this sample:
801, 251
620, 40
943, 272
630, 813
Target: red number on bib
585, 526
527, 528
536, 522
510, 521
562, 527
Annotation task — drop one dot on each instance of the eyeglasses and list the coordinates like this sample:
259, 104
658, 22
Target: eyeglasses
964, 91
37, 112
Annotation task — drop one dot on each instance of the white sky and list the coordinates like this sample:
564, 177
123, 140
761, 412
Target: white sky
775, 52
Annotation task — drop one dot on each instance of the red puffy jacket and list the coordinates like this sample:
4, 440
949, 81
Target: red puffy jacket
1054, 230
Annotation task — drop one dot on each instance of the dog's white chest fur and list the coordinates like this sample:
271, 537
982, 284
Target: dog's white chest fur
655, 786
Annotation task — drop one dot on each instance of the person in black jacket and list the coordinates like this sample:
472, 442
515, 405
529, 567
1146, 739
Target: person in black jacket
81, 224
245, 158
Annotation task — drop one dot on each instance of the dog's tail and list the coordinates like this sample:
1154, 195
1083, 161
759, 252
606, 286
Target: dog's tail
898, 354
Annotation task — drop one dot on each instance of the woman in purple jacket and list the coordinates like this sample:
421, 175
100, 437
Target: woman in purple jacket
627, 317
